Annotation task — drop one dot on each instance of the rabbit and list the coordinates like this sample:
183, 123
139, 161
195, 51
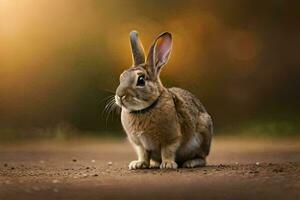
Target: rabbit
168, 127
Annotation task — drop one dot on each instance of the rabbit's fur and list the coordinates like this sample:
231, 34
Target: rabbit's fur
166, 126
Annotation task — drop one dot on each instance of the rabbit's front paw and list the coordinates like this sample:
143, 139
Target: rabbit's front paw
168, 164
136, 164
154, 164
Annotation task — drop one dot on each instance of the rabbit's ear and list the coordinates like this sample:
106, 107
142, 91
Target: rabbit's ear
159, 52
138, 53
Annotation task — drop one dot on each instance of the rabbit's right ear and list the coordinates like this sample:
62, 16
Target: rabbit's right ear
159, 53
138, 53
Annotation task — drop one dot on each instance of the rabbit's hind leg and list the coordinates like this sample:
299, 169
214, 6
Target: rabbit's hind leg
197, 162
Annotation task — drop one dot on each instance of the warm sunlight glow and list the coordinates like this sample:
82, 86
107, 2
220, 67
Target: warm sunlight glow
58, 57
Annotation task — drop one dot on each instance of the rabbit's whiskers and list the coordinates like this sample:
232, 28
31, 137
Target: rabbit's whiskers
110, 108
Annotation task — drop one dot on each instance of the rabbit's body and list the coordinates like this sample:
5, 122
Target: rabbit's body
177, 117
166, 127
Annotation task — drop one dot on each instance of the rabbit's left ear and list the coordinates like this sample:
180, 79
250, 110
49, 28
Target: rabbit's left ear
159, 52
137, 49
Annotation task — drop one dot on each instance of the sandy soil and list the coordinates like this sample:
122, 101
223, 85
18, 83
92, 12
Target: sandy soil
95, 169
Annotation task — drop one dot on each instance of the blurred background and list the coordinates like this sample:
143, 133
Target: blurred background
60, 60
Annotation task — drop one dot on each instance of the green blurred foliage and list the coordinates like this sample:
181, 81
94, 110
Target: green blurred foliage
59, 60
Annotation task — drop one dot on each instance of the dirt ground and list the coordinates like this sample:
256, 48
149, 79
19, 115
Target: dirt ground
240, 168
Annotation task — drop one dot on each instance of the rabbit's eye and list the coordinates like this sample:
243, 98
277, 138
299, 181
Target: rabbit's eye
141, 80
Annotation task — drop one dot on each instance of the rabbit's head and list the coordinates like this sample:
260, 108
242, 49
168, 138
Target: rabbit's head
140, 85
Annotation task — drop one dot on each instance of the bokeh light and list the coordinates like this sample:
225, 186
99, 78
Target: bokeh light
58, 59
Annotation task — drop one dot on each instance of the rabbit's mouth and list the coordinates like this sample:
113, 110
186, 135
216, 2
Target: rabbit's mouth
118, 100
131, 104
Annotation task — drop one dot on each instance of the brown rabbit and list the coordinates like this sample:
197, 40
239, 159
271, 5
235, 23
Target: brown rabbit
166, 126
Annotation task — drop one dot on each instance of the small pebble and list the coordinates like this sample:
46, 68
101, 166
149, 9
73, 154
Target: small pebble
96, 175
257, 163
93, 161
74, 160
55, 181
12, 168
7, 182
42, 162
84, 175
236, 163
109, 163
280, 170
